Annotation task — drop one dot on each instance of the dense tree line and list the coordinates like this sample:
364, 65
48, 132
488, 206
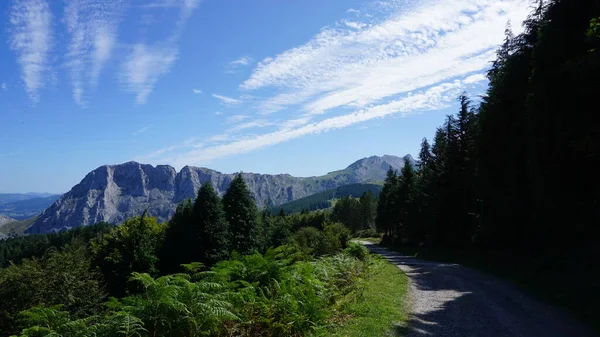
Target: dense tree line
516, 173
323, 200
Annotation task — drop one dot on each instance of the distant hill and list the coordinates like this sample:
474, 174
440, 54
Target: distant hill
16, 227
27, 208
323, 200
113, 193
12, 197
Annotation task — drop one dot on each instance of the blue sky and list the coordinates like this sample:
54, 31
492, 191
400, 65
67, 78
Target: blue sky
300, 87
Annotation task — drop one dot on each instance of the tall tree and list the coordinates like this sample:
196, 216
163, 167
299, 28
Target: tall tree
385, 220
368, 210
212, 230
242, 215
181, 240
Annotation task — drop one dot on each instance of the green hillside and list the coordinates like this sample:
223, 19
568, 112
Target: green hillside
324, 199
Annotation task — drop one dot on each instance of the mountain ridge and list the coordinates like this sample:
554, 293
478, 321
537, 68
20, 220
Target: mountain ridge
112, 193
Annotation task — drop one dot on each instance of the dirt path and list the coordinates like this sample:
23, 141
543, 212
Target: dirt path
451, 300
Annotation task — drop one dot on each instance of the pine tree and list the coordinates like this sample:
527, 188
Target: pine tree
242, 215
211, 228
386, 213
180, 244
368, 210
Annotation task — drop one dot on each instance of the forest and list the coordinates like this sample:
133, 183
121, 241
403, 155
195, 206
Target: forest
513, 176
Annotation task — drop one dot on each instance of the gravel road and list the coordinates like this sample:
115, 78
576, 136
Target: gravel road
451, 300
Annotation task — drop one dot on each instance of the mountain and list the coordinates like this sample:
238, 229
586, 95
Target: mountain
27, 208
113, 193
322, 200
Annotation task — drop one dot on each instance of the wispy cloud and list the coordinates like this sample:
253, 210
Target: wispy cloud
413, 59
144, 66
197, 91
352, 10
31, 39
363, 63
218, 113
92, 26
434, 98
146, 63
233, 66
236, 118
4, 86
227, 100
142, 130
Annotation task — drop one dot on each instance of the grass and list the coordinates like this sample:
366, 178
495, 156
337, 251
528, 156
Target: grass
380, 308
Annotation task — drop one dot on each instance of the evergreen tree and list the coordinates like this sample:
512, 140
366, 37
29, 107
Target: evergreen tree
242, 215
181, 240
368, 210
386, 218
211, 228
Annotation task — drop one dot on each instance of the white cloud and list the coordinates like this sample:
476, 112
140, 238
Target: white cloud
259, 123
196, 91
142, 130
236, 118
355, 25
352, 10
31, 39
414, 47
146, 63
92, 26
4, 86
227, 100
218, 113
242, 61
233, 66
144, 66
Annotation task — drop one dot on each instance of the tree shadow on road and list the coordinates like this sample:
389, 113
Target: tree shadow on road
462, 302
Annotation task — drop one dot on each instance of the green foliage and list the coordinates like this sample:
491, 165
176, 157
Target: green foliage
130, 247
347, 211
242, 215
19, 248
197, 232
357, 250
61, 277
337, 236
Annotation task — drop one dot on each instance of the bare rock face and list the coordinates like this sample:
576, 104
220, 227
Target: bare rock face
113, 193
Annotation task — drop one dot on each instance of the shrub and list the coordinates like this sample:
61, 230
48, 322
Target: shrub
357, 250
366, 233
337, 236
311, 241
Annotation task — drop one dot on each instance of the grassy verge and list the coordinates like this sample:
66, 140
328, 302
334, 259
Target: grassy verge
381, 305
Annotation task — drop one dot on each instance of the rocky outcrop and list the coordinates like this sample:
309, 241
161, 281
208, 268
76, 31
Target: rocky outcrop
113, 193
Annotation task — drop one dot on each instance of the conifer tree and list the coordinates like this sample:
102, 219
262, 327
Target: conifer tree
211, 228
242, 215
